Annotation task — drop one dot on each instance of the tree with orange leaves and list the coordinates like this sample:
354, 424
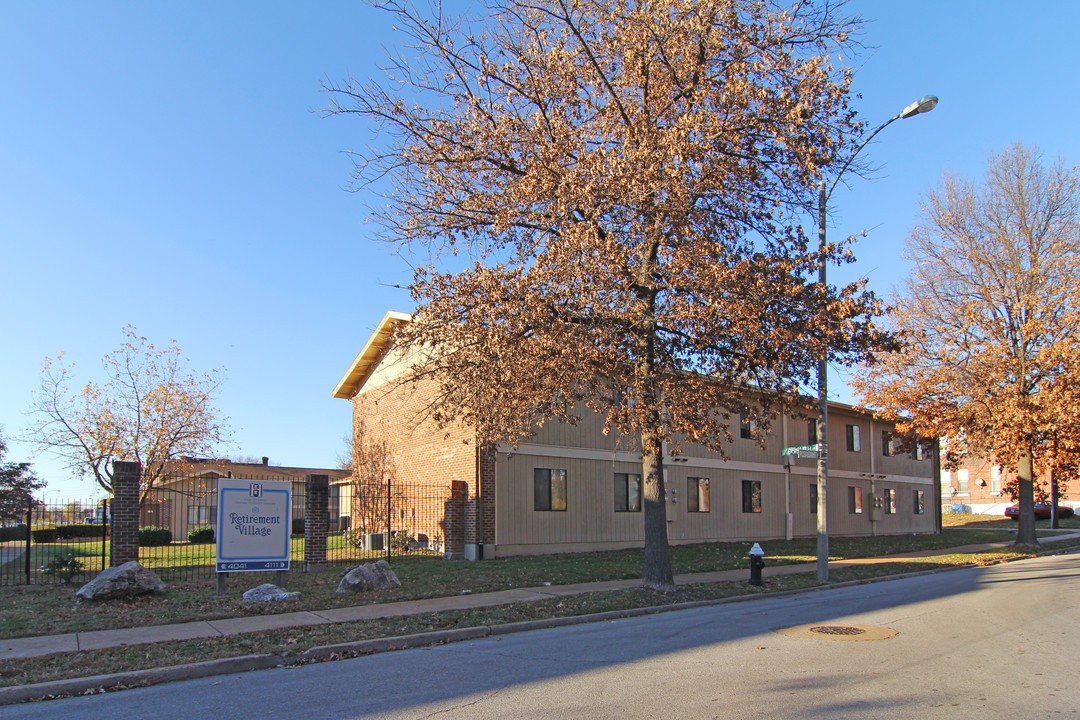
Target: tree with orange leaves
153, 410
991, 321
629, 180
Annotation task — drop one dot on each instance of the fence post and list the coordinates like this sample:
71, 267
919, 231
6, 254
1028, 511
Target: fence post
104, 531
316, 522
29, 529
125, 515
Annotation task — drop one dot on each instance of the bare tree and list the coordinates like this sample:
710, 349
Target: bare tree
629, 181
991, 319
373, 475
152, 410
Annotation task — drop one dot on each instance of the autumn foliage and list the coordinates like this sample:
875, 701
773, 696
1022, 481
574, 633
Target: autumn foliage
627, 181
990, 319
152, 410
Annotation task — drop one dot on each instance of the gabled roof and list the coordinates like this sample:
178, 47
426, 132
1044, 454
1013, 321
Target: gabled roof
365, 362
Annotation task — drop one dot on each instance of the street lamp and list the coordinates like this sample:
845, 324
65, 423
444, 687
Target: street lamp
923, 105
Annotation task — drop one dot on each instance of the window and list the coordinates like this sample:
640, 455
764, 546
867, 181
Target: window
919, 453
697, 495
886, 443
199, 515
549, 489
890, 501
920, 502
854, 442
751, 496
746, 428
627, 492
813, 498
962, 479
995, 480
811, 432
854, 498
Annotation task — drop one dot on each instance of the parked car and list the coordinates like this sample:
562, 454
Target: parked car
92, 520
1042, 511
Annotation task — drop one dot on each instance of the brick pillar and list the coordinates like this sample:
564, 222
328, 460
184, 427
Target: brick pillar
316, 522
454, 522
125, 512
487, 500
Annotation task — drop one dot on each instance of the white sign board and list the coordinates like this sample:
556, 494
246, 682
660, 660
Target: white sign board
253, 524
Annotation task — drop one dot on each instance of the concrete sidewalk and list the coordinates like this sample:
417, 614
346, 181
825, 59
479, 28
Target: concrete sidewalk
16, 648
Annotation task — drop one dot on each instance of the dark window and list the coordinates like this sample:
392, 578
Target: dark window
811, 432
751, 496
746, 430
627, 492
886, 443
854, 442
813, 498
697, 494
854, 498
920, 502
549, 489
890, 501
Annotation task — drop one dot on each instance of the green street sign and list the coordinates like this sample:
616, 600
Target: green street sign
802, 451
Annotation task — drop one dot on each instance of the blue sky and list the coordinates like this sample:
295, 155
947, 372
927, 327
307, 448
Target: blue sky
163, 165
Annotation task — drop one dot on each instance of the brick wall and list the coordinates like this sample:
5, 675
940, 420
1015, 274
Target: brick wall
428, 462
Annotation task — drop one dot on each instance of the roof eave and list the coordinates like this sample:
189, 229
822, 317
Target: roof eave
361, 367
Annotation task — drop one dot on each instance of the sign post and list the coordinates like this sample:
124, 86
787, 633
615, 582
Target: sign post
253, 525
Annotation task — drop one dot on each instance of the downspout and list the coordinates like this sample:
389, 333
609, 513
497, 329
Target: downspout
479, 502
875, 509
789, 519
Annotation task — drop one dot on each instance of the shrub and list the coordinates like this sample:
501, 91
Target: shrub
13, 532
64, 567
153, 536
402, 541
43, 534
201, 535
72, 532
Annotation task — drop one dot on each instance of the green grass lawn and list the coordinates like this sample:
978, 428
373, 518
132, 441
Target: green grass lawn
971, 520
173, 561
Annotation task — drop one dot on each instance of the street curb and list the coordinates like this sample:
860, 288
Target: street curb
137, 678
229, 666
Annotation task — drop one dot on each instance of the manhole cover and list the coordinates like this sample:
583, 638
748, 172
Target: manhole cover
856, 633
837, 630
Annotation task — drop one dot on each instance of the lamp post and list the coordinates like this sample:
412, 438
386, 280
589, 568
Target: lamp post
923, 105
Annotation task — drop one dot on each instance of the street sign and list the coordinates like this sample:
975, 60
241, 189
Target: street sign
802, 451
253, 525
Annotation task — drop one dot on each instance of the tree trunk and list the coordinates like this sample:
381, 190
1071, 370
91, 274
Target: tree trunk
1025, 534
656, 574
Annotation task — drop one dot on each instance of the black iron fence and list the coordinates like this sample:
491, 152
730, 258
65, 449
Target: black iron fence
70, 541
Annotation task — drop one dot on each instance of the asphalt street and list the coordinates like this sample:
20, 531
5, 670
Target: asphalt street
1001, 641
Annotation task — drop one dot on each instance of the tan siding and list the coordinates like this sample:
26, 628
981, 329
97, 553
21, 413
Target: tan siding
589, 433
590, 509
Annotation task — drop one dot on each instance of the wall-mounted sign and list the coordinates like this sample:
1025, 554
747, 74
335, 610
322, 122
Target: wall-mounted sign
253, 524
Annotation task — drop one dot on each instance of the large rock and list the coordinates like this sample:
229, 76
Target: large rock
373, 576
268, 592
125, 580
